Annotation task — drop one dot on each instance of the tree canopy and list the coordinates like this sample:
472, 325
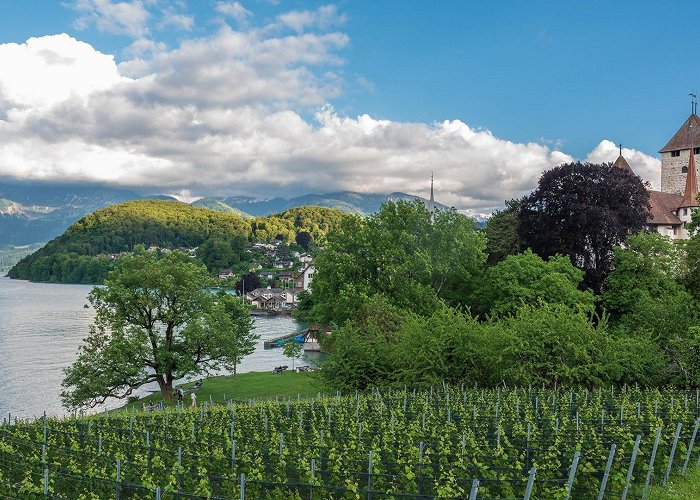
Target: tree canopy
501, 231
527, 279
155, 321
403, 252
79, 255
582, 210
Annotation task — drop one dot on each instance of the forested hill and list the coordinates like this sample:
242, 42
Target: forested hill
80, 254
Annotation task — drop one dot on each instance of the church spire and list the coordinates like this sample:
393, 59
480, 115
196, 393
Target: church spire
431, 203
690, 195
622, 163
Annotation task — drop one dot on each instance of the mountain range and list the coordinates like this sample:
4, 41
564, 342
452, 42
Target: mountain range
32, 212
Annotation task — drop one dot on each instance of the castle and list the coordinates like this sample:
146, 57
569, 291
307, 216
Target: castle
672, 206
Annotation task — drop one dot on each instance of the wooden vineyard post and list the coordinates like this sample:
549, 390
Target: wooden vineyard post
606, 474
690, 448
530, 484
119, 479
179, 465
572, 474
651, 463
475, 489
369, 476
631, 467
673, 452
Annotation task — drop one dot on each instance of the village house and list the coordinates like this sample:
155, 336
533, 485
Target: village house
272, 298
303, 280
268, 275
226, 274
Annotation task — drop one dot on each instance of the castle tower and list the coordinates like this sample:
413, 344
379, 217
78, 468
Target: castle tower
675, 156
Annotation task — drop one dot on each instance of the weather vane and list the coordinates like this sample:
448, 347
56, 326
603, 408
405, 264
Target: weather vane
693, 102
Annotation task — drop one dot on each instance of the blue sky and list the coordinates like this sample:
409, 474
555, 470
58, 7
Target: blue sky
370, 95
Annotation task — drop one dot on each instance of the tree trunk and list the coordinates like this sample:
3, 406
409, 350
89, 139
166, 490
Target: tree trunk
166, 387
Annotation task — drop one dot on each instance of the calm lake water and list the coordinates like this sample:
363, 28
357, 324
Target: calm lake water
41, 327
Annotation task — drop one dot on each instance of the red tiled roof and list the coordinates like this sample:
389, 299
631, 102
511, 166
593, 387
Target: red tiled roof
685, 136
664, 207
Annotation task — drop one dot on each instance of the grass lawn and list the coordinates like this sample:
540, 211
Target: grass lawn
678, 488
252, 385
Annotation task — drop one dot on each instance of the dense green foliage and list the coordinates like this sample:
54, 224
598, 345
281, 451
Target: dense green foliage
317, 221
550, 344
412, 302
392, 443
582, 210
528, 279
80, 255
404, 253
501, 231
155, 321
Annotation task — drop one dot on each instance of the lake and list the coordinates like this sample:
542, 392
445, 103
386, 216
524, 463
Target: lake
41, 327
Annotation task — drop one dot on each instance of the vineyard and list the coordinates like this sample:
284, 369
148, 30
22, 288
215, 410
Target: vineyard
446, 442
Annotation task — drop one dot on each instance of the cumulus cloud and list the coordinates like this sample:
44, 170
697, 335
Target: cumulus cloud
645, 166
120, 18
51, 69
173, 19
234, 10
228, 114
324, 17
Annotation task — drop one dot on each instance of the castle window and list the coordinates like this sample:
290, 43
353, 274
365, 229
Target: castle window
675, 153
696, 151
684, 169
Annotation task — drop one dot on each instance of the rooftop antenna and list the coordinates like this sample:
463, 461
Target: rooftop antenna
620, 148
693, 102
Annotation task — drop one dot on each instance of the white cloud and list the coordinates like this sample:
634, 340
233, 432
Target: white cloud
645, 166
170, 18
225, 114
144, 47
51, 69
234, 10
120, 18
323, 18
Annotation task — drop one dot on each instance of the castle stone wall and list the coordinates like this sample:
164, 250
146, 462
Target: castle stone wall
672, 177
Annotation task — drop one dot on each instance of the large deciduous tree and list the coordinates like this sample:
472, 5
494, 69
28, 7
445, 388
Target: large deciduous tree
582, 210
405, 253
155, 321
527, 279
501, 231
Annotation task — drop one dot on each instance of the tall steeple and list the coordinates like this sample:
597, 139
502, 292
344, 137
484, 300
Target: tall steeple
622, 163
690, 195
431, 203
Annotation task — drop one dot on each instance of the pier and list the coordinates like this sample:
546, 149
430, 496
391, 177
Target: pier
279, 341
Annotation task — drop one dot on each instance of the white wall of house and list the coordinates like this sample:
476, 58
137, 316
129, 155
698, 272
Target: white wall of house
309, 276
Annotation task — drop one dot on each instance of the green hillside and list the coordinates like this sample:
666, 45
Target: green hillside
219, 206
80, 255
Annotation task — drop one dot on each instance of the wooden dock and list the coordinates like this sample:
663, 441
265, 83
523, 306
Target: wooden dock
272, 343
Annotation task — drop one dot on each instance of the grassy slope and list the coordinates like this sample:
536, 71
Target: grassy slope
258, 385
678, 488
